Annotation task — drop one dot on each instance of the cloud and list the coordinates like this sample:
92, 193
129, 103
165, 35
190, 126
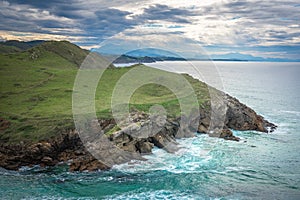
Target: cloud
257, 19
230, 23
165, 13
79, 18
17, 17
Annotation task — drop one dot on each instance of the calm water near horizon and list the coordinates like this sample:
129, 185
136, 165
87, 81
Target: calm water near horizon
261, 166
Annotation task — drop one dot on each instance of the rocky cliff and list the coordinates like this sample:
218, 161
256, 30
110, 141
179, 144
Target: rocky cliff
131, 140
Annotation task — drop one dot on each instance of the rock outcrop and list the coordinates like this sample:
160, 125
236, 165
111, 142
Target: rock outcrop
237, 116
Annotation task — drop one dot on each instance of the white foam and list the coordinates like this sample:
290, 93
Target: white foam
194, 153
291, 112
159, 194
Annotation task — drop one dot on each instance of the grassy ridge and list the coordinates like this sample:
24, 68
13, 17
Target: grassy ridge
36, 88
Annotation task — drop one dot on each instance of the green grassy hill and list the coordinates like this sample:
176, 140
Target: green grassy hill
36, 88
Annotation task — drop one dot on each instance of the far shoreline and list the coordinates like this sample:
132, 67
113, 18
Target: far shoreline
215, 61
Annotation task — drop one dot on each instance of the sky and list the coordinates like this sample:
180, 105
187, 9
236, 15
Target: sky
268, 29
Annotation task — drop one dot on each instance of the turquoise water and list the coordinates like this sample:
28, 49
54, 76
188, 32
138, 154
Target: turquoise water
261, 166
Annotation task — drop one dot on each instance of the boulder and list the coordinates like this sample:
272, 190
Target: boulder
145, 147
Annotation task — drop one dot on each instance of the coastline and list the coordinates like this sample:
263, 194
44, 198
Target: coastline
68, 148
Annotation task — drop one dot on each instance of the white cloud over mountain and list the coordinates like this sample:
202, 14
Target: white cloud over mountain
219, 26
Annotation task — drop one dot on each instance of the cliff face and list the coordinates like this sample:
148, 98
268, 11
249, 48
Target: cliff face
131, 141
241, 117
238, 117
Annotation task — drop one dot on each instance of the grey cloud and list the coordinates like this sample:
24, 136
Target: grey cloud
94, 18
166, 13
259, 20
275, 12
15, 17
255, 20
93, 23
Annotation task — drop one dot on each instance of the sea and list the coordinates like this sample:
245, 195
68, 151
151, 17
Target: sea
260, 166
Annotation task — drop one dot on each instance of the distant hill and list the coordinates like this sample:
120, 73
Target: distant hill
151, 52
143, 59
131, 59
146, 55
21, 45
248, 57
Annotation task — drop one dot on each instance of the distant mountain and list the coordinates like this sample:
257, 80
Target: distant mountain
21, 44
248, 57
236, 56
146, 55
131, 59
151, 52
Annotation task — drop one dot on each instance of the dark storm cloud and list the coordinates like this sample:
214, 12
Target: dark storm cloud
23, 18
40, 4
93, 19
63, 19
106, 22
165, 13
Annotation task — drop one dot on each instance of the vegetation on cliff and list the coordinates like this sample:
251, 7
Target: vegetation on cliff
36, 121
37, 84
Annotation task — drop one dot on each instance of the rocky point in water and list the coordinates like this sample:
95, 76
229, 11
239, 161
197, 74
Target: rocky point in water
130, 140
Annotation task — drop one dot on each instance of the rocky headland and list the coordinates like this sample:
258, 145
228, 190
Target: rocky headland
36, 125
68, 147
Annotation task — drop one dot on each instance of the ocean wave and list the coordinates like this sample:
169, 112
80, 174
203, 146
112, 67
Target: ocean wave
58, 198
291, 112
190, 158
159, 194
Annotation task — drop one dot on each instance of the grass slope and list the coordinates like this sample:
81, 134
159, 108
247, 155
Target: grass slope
36, 88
